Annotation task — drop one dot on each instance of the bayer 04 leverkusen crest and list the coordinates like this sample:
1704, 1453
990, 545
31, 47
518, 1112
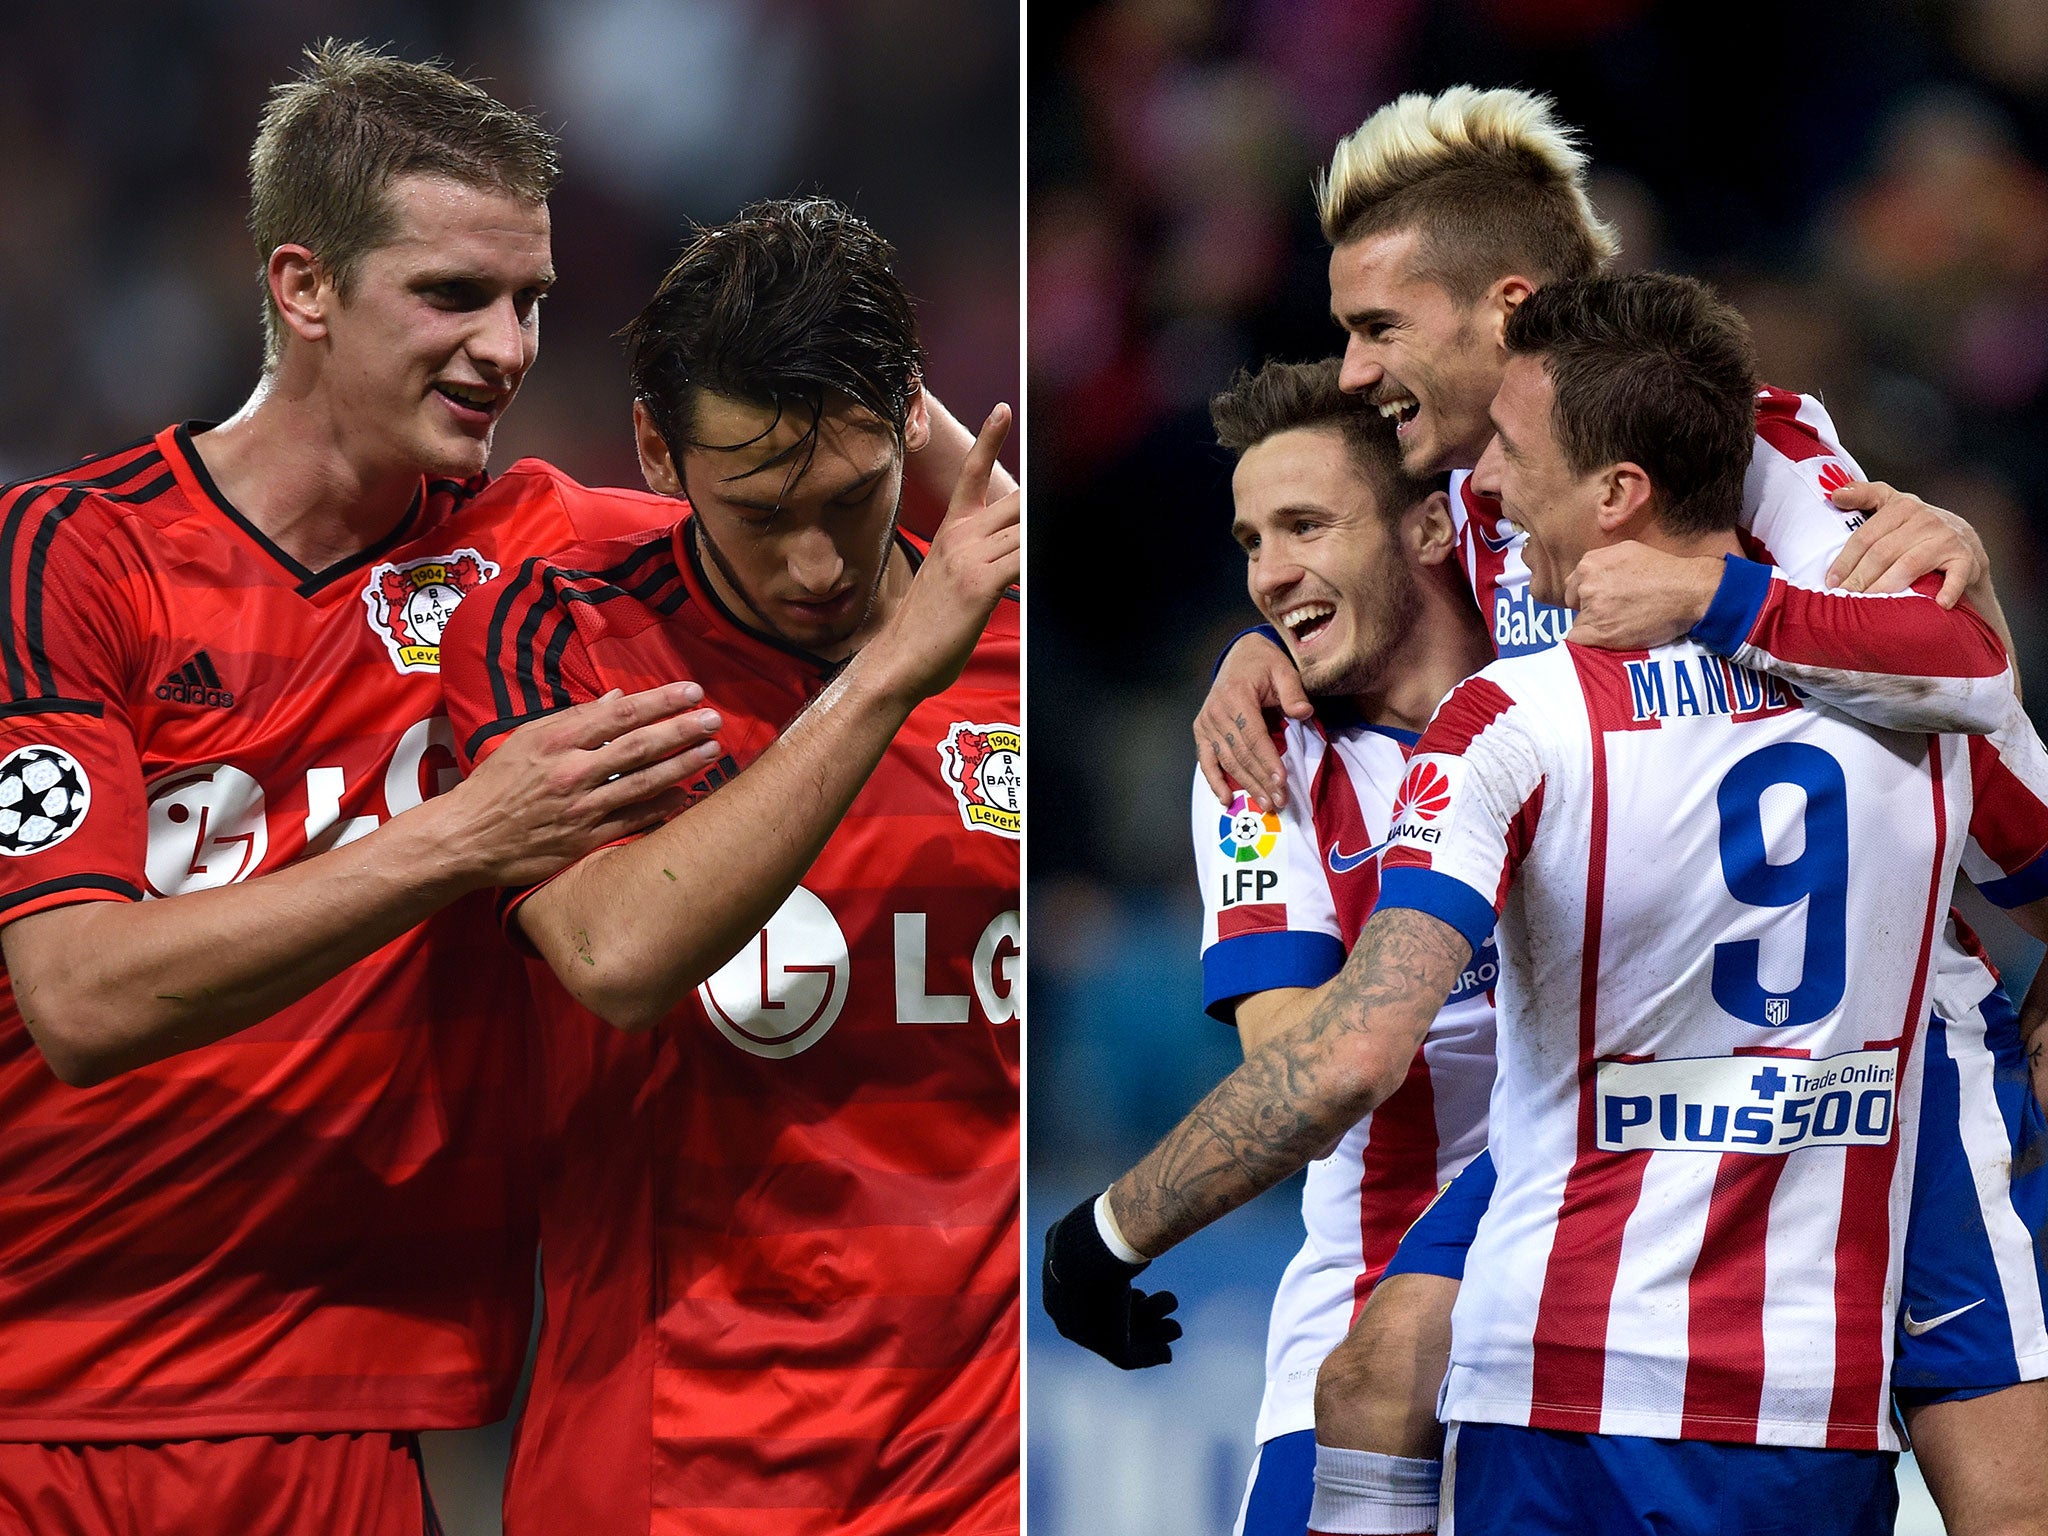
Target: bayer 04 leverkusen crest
985, 766
410, 602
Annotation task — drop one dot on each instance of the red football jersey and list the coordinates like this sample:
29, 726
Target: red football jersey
779, 1232
324, 1222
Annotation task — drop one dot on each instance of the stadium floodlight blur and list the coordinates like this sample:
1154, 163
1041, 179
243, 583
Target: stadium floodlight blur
1886, 251
126, 292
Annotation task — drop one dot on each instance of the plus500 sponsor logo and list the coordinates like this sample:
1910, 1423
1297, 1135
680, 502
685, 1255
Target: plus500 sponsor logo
1765, 1104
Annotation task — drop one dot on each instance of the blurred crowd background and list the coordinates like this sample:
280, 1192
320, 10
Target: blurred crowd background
128, 285
1863, 178
129, 290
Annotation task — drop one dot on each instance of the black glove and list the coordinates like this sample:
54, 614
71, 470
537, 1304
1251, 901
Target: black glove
1090, 1298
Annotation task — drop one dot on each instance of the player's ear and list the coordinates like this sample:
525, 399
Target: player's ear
1431, 536
1626, 499
1503, 298
657, 464
301, 290
917, 422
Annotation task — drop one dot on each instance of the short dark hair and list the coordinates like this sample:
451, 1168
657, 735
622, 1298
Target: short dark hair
333, 140
1655, 369
1281, 397
788, 305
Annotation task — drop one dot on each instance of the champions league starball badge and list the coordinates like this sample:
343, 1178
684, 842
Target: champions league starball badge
44, 796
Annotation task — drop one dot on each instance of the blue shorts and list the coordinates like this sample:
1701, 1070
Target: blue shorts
1505, 1479
1971, 1311
1972, 1318
1436, 1242
1281, 1488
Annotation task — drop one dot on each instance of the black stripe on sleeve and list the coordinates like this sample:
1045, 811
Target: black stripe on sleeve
494, 636
44, 888
54, 706
522, 653
663, 574
32, 591
497, 728
537, 665
551, 658
26, 652
149, 492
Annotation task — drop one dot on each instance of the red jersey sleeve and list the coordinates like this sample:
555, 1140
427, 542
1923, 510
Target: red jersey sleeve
1897, 660
512, 653
1467, 810
2007, 852
73, 817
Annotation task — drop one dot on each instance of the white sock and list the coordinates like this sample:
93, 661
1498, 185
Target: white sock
1362, 1493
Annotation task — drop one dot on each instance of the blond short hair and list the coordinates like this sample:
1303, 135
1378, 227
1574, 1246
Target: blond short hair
1493, 180
334, 139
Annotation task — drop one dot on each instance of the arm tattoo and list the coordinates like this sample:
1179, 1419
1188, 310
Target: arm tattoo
1302, 1089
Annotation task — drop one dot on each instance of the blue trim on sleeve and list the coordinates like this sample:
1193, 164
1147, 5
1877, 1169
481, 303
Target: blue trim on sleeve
1230, 645
2019, 887
1737, 602
1440, 895
1258, 962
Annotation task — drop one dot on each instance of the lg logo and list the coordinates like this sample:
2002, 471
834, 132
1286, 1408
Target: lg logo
781, 993
209, 825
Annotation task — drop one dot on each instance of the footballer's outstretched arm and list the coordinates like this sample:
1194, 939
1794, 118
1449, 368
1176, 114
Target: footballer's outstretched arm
1902, 539
1293, 1096
1300, 1090
632, 929
105, 987
1899, 660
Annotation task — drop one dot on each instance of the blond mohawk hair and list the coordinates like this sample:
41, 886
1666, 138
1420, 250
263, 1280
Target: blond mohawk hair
1493, 180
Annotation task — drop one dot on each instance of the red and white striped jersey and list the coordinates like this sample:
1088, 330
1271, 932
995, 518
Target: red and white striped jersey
1284, 895
1788, 522
1717, 914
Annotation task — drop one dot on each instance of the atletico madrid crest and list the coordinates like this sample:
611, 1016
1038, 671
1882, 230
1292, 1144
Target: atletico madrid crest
985, 766
410, 603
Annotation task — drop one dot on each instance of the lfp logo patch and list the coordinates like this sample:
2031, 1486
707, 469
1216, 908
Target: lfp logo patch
1246, 832
410, 603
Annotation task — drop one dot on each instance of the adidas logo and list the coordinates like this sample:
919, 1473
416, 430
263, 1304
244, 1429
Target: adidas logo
196, 683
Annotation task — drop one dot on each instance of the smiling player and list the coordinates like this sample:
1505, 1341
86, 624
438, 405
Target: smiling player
291, 1226
1355, 564
1444, 213
1623, 1354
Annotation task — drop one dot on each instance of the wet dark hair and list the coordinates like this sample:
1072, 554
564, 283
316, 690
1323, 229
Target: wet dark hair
1650, 368
791, 305
1281, 397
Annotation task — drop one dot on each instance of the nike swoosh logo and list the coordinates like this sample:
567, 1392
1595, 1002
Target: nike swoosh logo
1342, 863
1915, 1328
